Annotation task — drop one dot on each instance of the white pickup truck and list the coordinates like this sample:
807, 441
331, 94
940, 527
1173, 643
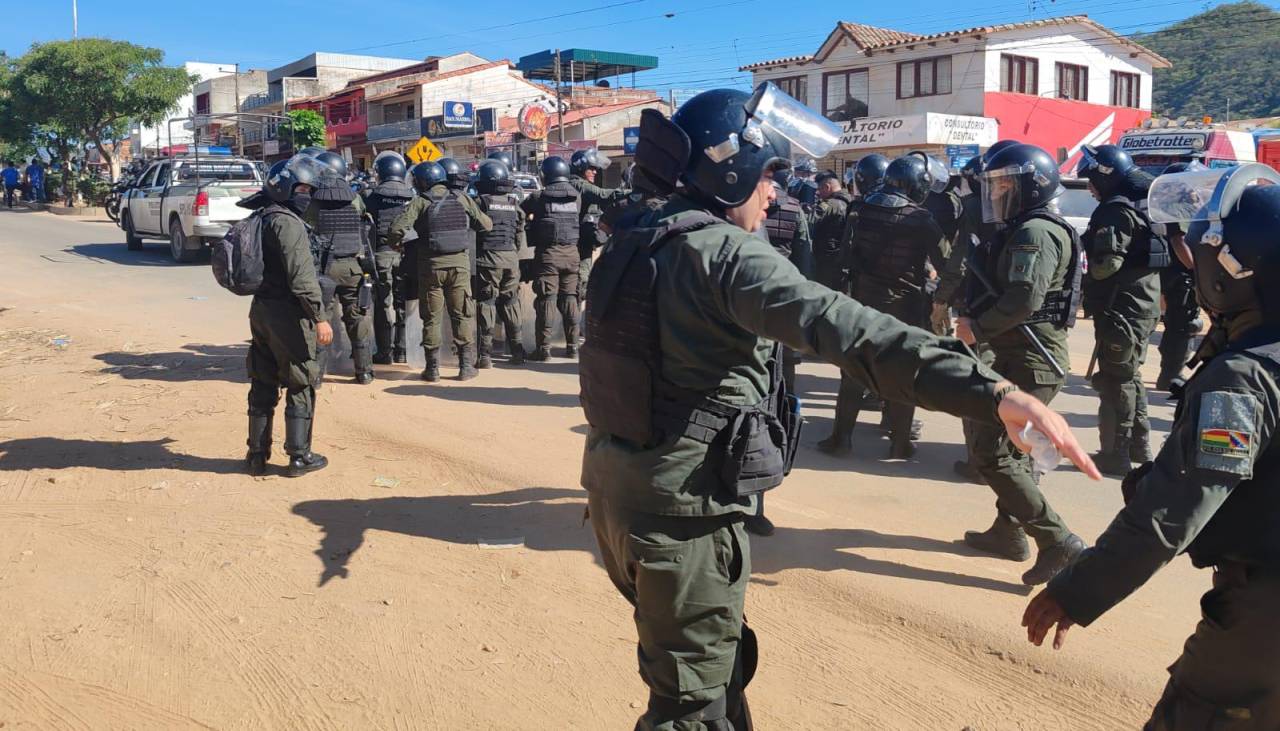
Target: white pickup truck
189, 200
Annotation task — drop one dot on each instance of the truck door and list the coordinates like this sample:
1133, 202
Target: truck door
138, 197
153, 198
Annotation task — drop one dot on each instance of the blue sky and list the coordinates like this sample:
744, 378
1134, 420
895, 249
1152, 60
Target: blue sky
700, 44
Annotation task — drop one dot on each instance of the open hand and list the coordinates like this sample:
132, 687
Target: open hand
1019, 408
1043, 613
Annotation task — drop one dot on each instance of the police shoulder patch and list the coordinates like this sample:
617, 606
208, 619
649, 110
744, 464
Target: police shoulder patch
1228, 420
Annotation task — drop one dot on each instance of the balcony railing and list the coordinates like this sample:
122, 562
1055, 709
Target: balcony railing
395, 130
262, 99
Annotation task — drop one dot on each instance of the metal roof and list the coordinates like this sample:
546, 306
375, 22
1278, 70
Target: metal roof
586, 64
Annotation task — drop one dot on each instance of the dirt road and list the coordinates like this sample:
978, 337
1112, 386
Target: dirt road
438, 575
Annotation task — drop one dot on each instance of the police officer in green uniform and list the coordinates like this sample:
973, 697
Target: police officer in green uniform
554, 227
1211, 491
385, 202
498, 262
587, 168
682, 391
786, 228
1122, 294
1033, 269
444, 220
867, 176
338, 217
287, 319
893, 239
1181, 311
828, 219
644, 196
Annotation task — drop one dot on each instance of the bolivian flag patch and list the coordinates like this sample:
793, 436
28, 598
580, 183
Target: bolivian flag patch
1225, 442
1227, 427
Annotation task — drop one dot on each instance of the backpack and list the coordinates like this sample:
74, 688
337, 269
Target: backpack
237, 257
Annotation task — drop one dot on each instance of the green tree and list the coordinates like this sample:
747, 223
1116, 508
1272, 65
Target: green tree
90, 89
308, 129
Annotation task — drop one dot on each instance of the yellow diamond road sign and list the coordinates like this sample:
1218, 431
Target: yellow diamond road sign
424, 151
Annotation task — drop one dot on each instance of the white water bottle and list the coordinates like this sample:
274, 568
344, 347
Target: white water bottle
1044, 456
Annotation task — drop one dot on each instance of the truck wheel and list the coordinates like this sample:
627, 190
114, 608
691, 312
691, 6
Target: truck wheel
178, 244
131, 239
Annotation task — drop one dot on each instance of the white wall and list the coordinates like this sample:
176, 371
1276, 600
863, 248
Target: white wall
606, 129
1079, 45
145, 137
497, 87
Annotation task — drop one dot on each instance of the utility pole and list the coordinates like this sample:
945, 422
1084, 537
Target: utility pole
75, 20
559, 108
239, 122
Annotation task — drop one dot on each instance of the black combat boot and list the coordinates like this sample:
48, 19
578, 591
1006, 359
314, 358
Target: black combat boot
382, 339
1051, 560
759, 525
255, 462
571, 351
839, 443
467, 363
901, 448
540, 354
431, 372
1115, 463
362, 363
517, 354
485, 359
1140, 443
965, 469
297, 442
398, 352
1005, 538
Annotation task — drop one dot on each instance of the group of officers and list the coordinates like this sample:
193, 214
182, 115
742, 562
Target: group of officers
713, 281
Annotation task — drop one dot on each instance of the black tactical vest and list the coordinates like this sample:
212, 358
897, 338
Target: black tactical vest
504, 210
750, 448
828, 233
782, 223
385, 204
1148, 249
448, 225
341, 229
555, 220
1247, 526
888, 242
1061, 304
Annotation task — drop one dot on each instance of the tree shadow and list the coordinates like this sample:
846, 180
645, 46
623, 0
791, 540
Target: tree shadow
509, 396
153, 254
543, 518
195, 362
830, 549
56, 454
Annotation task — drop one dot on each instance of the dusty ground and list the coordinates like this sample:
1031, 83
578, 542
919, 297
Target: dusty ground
146, 584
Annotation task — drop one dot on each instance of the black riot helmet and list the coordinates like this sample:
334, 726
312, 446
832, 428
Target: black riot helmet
312, 151
1106, 166
782, 174
1233, 229
730, 138
335, 163
995, 149
908, 176
972, 170
492, 176
554, 170
389, 167
452, 170
869, 173
505, 157
806, 166
1018, 179
286, 175
428, 174
589, 159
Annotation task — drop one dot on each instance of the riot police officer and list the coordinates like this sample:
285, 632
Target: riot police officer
829, 256
338, 217
553, 230
787, 229
587, 167
385, 202
691, 361
454, 178
1211, 490
287, 319
1181, 311
894, 237
1122, 294
498, 262
803, 184
444, 220
1024, 297
505, 157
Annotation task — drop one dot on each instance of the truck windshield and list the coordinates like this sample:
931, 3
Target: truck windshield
1155, 164
216, 170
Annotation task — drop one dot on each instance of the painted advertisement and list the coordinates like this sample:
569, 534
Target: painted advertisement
871, 133
1059, 126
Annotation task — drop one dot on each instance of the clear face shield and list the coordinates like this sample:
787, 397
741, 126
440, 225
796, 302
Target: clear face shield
939, 175
772, 109
389, 153
1002, 192
1206, 196
308, 170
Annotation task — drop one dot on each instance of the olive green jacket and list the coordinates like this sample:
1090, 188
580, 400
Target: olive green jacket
723, 296
415, 217
1130, 292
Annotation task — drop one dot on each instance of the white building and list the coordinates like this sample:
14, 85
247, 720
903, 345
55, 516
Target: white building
148, 139
1058, 83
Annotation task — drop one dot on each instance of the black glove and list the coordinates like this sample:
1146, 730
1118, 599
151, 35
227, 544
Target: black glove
368, 265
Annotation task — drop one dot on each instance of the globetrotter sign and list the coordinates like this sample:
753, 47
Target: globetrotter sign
917, 129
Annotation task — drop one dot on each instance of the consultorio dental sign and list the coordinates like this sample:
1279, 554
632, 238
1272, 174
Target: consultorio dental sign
917, 129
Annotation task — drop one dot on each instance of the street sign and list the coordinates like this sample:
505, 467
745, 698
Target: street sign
959, 155
630, 138
459, 115
424, 151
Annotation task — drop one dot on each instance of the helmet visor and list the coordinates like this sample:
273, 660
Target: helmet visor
386, 154
1203, 195
1002, 192
773, 109
939, 175
306, 169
